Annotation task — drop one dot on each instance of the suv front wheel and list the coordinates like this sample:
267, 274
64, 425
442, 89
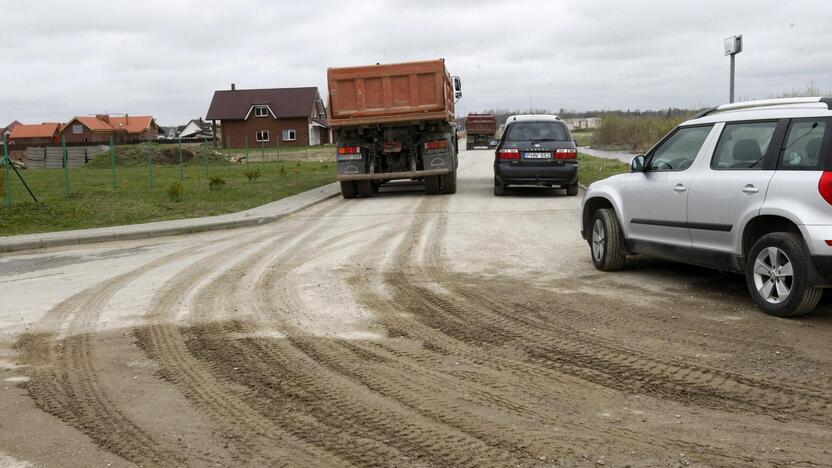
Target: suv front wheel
605, 241
777, 275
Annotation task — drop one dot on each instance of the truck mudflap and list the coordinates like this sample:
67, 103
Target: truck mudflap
393, 175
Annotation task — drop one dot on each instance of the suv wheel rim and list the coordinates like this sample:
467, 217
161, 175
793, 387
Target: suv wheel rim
773, 275
598, 239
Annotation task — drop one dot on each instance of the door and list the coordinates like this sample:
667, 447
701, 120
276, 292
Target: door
654, 201
730, 187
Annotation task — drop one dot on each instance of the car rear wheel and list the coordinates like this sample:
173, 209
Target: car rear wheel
605, 241
348, 189
499, 188
572, 190
777, 275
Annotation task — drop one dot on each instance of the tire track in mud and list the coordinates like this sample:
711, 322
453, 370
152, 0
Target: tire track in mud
360, 424
64, 381
255, 438
664, 377
457, 337
551, 339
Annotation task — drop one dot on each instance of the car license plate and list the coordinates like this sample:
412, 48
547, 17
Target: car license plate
537, 155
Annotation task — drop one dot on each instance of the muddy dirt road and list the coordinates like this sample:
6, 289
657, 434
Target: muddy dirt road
401, 330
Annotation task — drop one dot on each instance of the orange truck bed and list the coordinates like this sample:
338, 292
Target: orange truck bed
390, 93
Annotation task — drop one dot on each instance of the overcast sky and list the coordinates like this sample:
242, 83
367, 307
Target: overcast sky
165, 58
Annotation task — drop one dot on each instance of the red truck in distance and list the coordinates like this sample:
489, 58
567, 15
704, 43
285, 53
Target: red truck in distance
480, 130
394, 121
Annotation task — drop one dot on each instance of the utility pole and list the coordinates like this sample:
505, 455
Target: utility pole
733, 46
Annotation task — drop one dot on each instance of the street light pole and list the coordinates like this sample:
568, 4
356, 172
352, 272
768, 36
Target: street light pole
733, 46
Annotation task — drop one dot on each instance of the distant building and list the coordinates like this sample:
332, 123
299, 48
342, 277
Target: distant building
24, 136
271, 117
587, 123
99, 129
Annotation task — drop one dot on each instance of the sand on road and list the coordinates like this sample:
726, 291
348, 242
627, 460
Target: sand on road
400, 330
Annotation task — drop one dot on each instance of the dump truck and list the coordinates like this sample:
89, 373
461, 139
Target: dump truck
393, 122
480, 131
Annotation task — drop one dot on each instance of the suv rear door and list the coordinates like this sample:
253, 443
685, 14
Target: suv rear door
654, 201
730, 187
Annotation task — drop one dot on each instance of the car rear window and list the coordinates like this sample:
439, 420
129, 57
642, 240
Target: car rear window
802, 148
540, 131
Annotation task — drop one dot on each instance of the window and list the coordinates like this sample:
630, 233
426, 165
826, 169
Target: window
262, 135
678, 152
539, 131
261, 111
289, 135
77, 129
803, 144
743, 145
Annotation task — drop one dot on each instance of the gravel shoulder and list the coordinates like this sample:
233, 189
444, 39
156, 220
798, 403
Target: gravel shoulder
465, 330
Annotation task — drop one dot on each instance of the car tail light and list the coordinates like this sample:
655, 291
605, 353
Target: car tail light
349, 150
436, 145
825, 186
509, 153
566, 153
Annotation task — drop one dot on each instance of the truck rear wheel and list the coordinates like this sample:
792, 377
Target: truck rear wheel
348, 189
448, 183
365, 188
432, 185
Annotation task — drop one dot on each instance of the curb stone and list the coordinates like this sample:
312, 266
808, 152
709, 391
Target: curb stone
257, 216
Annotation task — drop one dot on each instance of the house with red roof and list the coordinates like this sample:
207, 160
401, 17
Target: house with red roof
7, 130
270, 117
24, 136
102, 127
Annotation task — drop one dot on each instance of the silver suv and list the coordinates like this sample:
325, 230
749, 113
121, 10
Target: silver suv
743, 187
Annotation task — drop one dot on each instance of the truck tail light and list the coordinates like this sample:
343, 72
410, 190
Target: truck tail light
566, 153
825, 186
436, 145
508, 153
349, 150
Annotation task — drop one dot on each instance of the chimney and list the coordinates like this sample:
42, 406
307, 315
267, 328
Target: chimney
103, 117
126, 119
233, 87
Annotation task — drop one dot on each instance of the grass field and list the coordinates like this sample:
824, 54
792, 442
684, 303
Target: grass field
592, 168
93, 203
583, 138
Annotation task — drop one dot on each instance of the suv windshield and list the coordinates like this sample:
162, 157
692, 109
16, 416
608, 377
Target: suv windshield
539, 131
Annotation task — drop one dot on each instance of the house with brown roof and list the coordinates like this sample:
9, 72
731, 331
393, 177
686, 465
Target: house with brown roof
270, 117
102, 127
24, 136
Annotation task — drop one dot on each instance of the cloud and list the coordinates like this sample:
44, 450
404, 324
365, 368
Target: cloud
166, 58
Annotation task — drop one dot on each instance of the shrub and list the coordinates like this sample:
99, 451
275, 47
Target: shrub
632, 133
175, 191
216, 183
253, 175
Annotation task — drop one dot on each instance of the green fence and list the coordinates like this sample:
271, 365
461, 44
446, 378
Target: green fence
142, 181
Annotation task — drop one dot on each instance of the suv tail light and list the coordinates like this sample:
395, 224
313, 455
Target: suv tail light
825, 186
349, 150
508, 153
566, 153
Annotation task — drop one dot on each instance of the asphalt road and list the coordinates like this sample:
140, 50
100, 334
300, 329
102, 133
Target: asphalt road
404, 330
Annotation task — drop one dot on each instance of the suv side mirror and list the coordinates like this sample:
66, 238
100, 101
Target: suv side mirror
637, 164
457, 87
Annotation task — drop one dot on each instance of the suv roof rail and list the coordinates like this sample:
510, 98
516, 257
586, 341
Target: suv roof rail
766, 103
